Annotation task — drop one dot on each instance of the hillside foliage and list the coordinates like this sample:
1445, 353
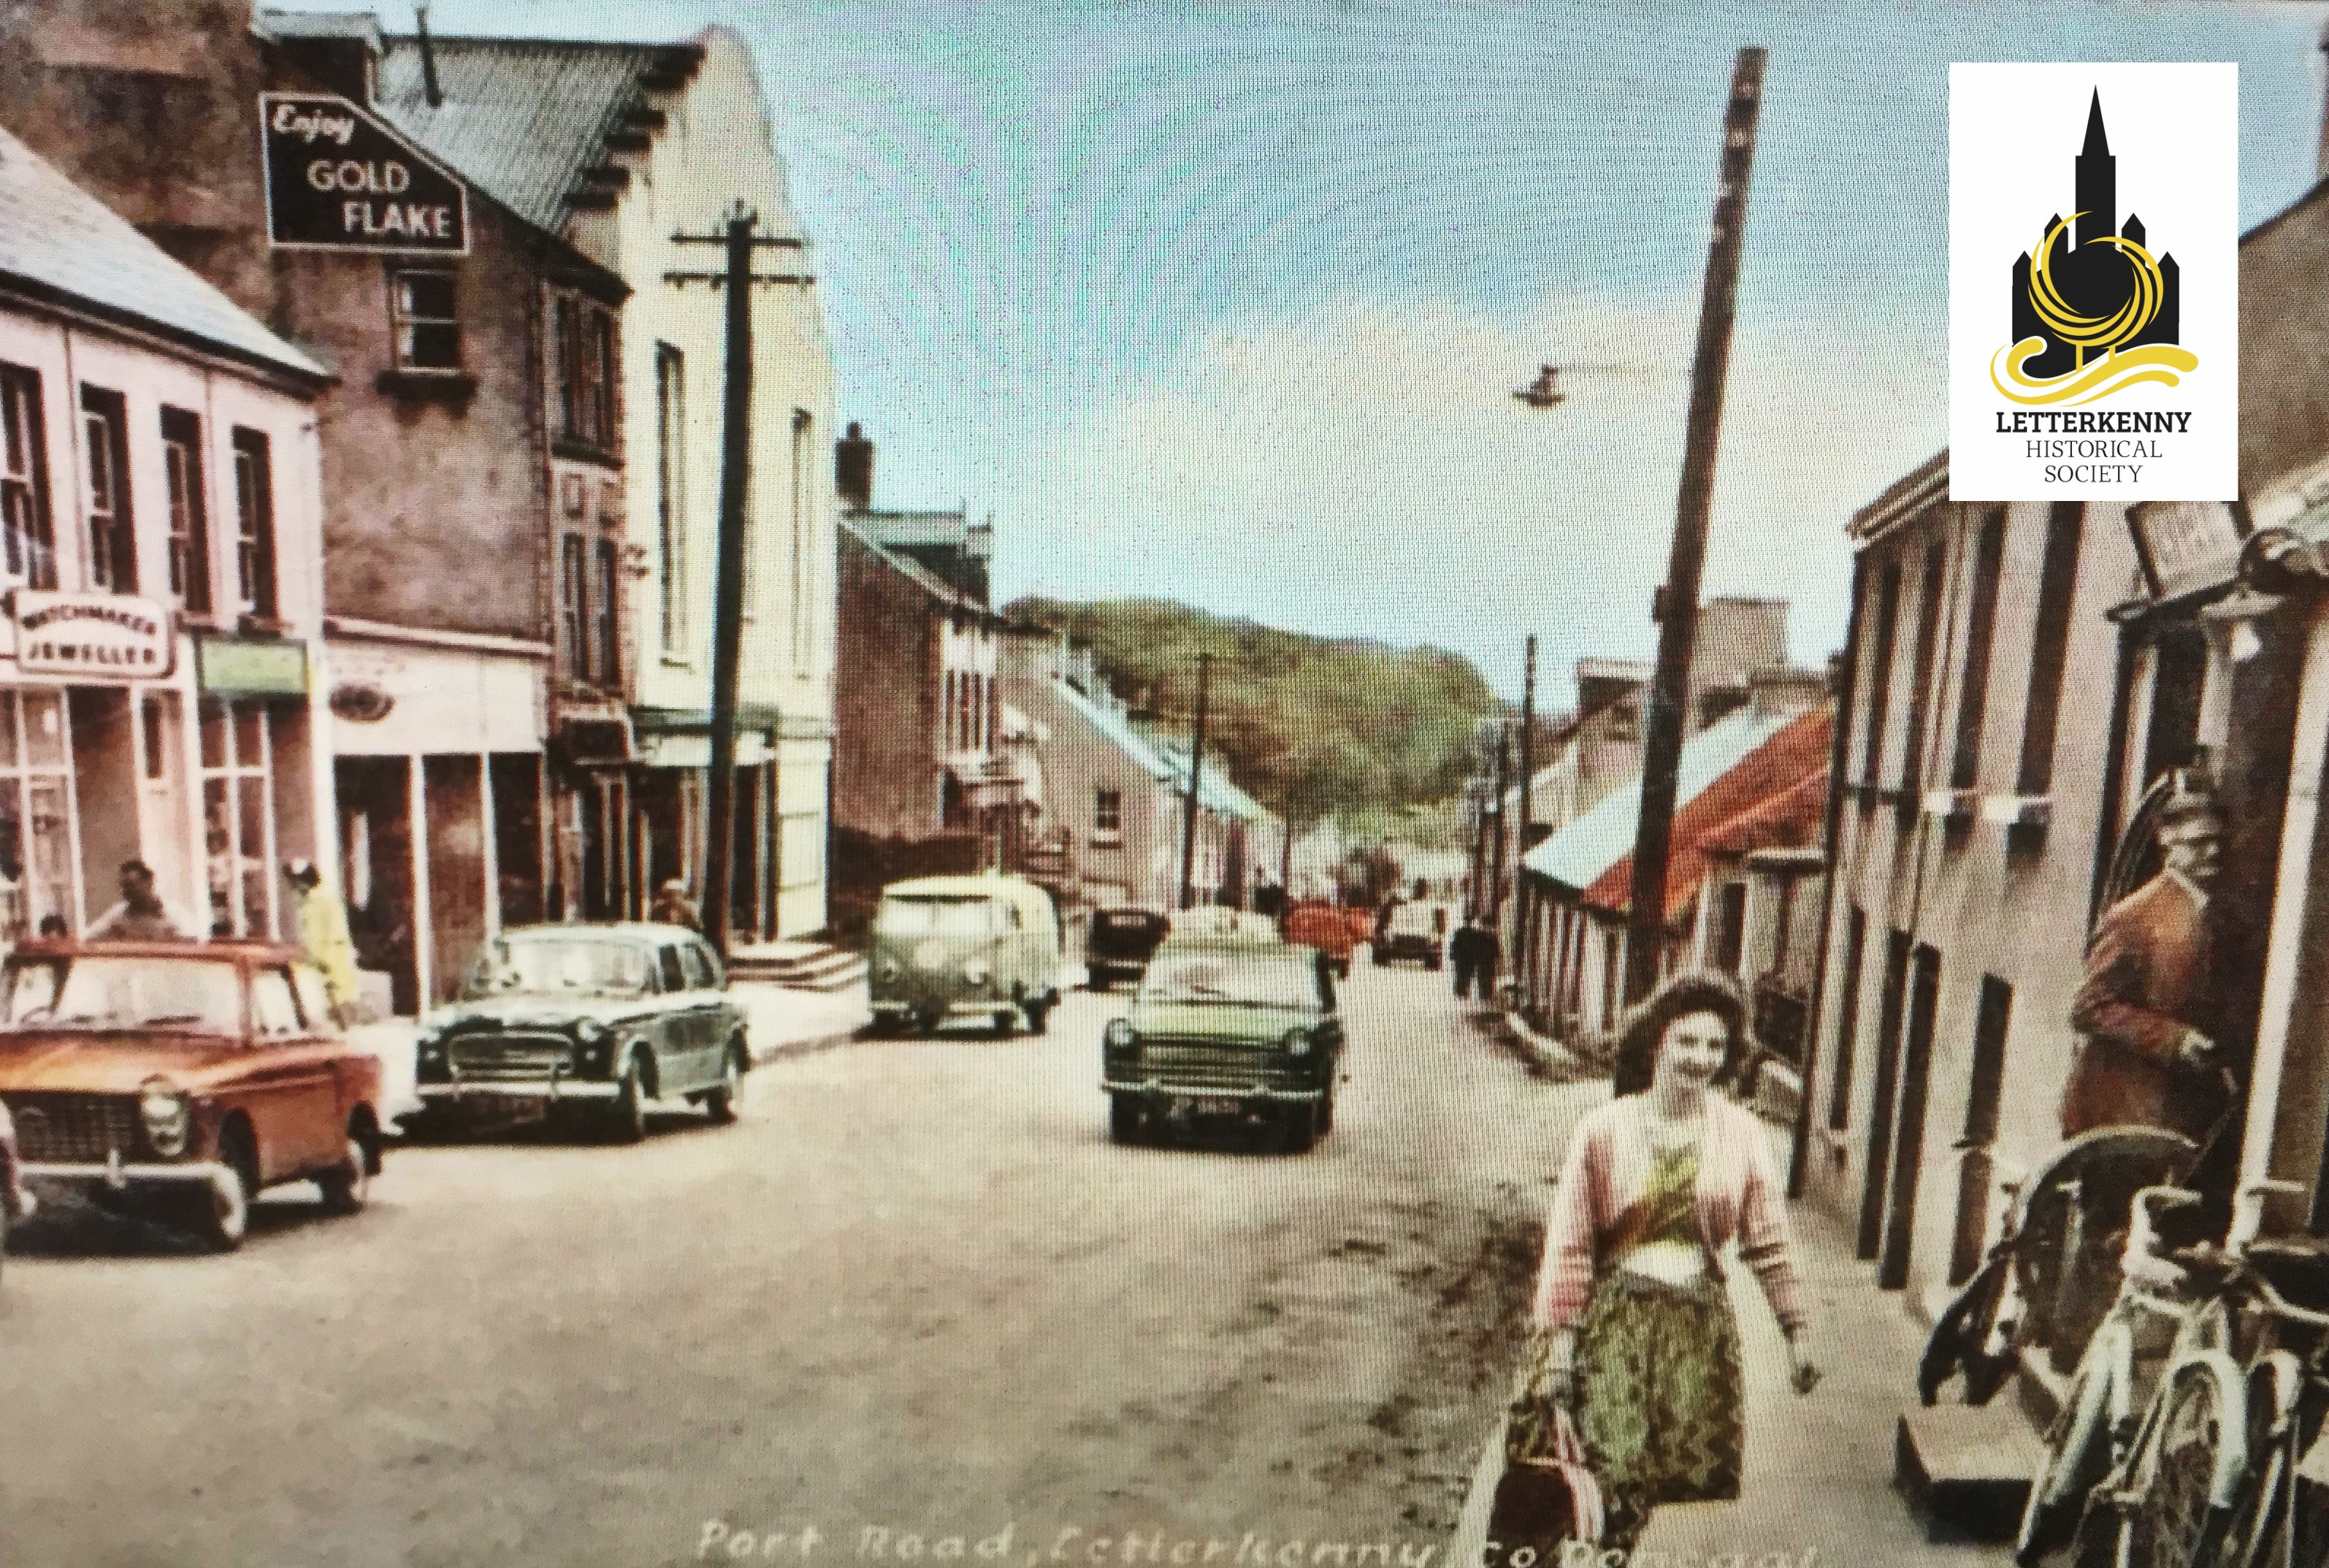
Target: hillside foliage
1313, 727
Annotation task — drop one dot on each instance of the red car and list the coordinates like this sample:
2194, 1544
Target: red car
187, 1074
1327, 928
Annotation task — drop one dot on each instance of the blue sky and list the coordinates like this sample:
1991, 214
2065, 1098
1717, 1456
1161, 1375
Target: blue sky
1225, 302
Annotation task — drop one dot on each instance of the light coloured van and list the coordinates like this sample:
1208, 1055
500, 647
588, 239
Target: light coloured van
965, 947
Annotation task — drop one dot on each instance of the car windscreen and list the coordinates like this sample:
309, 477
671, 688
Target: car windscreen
559, 963
935, 917
1234, 979
122, 993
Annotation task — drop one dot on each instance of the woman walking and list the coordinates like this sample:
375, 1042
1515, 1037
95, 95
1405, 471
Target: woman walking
1635, 1335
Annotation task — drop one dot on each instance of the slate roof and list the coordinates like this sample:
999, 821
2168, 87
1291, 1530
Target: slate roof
1116, 729
921, 576
61, 245
524, 119
1581, 854
1214, 788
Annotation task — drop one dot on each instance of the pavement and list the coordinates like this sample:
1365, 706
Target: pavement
1819, 1466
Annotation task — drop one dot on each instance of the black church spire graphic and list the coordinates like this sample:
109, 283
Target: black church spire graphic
2093, 310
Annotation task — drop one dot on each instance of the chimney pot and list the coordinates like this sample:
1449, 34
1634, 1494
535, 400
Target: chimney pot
853, 469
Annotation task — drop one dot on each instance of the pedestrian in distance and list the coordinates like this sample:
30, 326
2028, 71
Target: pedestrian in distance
322, 922
141, 915
1464, 953
673, 907
1633, 1336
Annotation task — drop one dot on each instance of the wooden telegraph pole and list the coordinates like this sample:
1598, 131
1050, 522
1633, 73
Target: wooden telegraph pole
1196, 771
1496, 910
1678, 604
1522, 923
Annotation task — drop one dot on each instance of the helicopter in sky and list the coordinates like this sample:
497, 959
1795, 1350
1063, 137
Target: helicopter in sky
1545, 392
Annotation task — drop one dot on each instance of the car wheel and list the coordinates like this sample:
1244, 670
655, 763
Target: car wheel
1431, 964
1326, 1113
222, 1207
627, 1116
1006, 1023
724, 1101
1039, 1017
928, 1020
1297, 1128
348, 1185
1124, 1118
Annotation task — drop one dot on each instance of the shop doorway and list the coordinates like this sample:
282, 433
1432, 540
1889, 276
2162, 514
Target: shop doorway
1909, 1142
1977, 1170
1888, 1082
375, 831
517, 836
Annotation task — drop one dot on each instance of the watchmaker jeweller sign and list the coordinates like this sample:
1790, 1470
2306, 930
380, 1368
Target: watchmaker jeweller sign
2094, 274
340, 178
93, 636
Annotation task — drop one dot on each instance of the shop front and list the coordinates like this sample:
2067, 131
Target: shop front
444, 814
670, 794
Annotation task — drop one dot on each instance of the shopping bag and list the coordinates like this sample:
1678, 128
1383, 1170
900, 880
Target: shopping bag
1548, 1493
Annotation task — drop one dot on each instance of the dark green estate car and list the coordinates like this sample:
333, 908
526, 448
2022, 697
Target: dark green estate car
611, 1017
1230, 1025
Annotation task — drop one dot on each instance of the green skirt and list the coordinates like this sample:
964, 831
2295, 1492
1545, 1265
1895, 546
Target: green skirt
1660, 1406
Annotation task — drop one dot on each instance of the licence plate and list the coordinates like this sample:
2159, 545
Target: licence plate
1216, 1107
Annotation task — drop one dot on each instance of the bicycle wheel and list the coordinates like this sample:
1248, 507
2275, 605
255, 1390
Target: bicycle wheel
2255, 1535
2199, 1449
2077, 1451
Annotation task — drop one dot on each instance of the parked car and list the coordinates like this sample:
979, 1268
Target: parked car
1226, 1027
194, 1073
1118, 943
948, 947
15, 1202
609, 1017
1327, 928
1417, 932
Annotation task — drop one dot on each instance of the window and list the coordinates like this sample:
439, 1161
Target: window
236, 767
1107, 813
254, 526
27, 540
573, 605
112, 538
36, 811
609, 652
315, 1000
584, 334
703, 970
802, 599
993, 727
273, 1010
1731, 927
1879, 669
945, 712
190, 532
1973, 696
2050, 645
1920, 678
674, 974
423, 314
671, 495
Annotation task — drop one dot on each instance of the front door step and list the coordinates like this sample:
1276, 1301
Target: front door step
1967, 1468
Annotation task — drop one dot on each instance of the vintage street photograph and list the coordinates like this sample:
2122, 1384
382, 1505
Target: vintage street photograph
1272, 784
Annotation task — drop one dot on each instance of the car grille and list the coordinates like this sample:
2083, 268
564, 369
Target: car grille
490, 1056
75, 1129
1207, 1065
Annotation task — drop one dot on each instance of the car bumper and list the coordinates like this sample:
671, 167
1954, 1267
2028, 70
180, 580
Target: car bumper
494, 1089
964, 1007
1153, 1089
51, 1178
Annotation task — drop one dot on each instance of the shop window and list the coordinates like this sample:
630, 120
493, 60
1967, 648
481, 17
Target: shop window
1973, 695
1108, 814
27, 536
112, 537
254, 526
1881, 635
2050, 646
37, 809
237, 751
190, 529
608, 629
424, 319
670, 496
573, 592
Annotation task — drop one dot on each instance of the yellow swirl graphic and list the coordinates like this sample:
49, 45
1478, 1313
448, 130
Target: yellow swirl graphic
2158, 362
2086, 331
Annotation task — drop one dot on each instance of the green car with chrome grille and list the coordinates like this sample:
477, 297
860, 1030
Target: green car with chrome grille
1226, 1027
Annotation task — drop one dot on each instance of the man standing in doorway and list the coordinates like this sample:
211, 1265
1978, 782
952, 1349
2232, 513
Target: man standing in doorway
323, 927
2146, 1012
141, 916
673, 907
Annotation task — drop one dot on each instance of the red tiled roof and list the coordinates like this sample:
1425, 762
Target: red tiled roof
1791, 820
1791, 763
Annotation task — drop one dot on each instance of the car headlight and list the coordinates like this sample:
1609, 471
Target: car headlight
888, 968
591, 1031
1119, 1034
1298, 1042
168, 1116
975, 971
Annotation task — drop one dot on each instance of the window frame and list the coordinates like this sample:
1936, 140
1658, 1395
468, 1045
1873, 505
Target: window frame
184, 497
671, 492
574, 604
606, 625
1107, 812
405, 322
110, 526
258, 582
28, 539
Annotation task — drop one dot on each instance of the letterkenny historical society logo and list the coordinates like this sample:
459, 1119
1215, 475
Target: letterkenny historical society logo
2093, 348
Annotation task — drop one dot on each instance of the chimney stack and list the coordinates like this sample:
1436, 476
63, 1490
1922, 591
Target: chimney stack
852, 470
431, 87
